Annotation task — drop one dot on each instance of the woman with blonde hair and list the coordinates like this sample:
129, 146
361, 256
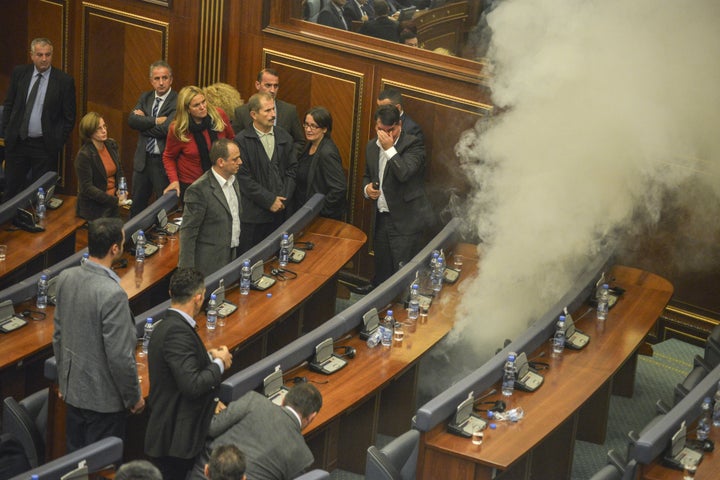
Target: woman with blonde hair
196, 126
225, 97
98, 170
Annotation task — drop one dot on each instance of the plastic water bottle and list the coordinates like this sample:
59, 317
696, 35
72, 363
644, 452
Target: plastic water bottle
436, 276
414, 304
42, 292
513, 415
508, 382
245, 277
284, 250
602, 302
212, 313
374, 339
122, 190
146, 336
703, 426
40, 210
559, 337
84, 258
386, 329
716, 408
140, 247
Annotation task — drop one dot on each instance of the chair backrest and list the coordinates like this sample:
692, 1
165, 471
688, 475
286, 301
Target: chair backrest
27, 421
396, 461
98, 456
314, 475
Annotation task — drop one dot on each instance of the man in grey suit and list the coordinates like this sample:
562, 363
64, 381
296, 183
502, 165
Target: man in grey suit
94, 342
286, 116
210, 231
39, 115
151, 117
269, 435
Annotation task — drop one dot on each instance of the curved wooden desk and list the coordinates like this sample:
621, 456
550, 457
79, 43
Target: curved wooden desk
572, 402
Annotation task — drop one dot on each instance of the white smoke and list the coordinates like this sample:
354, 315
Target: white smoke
606, 106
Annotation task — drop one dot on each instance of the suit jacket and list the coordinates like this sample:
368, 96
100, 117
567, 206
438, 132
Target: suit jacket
183, 384
145, 124
287, 118
353, 12
58, 114
382, 27
326, 176
411, 127
94, 340
331, 17
93, 200
254, 175
206, 231
403, 182
267, 434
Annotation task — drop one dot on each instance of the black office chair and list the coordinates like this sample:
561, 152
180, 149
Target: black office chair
27, 421
396, 461
616, 469
696, 375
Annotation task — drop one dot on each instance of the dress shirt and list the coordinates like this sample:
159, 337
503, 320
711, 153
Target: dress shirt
35, 124
383, 158
112, 274
156, 149
232, 200
193, 324
268, 141
297, 415
339, 12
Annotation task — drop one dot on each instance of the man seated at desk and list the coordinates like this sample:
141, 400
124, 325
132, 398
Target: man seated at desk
269, 435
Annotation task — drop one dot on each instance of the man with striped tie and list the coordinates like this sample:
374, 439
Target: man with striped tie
152, 115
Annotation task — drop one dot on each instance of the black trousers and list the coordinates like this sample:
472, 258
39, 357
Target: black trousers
173, 468
27, 161
253, 233
84, 427
151, 180
393, 248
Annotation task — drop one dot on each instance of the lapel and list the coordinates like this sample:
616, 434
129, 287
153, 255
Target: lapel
217, 191
170, 101
52, 91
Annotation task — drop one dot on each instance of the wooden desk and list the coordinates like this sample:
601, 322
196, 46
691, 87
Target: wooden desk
707, 470
572, 402
376, 391
29, 253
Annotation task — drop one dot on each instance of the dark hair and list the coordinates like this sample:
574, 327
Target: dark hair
227, 462
381, 8
269, 71
406, 34
103, 233
138, 470
322, 117
254, 103
219, 149
304, 398
391, 94
185, 283
387, 114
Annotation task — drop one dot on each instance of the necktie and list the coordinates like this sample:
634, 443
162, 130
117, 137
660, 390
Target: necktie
152, 141
29, 107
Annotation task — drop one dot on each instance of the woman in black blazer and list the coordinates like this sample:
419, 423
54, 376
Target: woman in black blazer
320, 168
98, 170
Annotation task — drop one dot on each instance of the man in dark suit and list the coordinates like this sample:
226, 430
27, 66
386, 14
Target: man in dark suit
332, 15
382, 26
393, 180
151, 117
358, 11
390, 96
269, 435
39, 115
210, 231
94, 342
286, 116
227, 462
267, 174
183, 380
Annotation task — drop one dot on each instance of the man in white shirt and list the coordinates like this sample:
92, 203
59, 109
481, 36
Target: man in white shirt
210, 231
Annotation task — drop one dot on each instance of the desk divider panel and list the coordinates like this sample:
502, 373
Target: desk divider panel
656, 439
442, 406
303, 348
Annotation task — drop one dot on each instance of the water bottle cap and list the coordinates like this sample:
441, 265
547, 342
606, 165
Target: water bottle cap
246, 262
389, 313
43, 277
561, 318
149, 320
41, 190
707, 400
490, 414
140, 232
213, 296
511, 357
605, 285
492, 426
440, 260
415, 286
285, 235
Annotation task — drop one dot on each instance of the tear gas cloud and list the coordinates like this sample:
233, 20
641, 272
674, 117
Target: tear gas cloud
606, 107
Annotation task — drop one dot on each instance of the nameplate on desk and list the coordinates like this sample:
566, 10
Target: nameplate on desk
325, 361
273, 387
451, 275
464, 422
8, 320
526, 378
574, 338
260, 281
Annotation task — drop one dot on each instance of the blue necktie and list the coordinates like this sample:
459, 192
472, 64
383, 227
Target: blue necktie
152, 141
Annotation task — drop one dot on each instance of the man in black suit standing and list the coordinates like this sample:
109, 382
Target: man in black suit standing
332, 15
151, 117
382, 26
393, 180
393, 97
38, 117
267, 173
286, 116
183, 380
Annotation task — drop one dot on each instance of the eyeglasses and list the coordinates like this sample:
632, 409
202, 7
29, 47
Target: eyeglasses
311, 126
